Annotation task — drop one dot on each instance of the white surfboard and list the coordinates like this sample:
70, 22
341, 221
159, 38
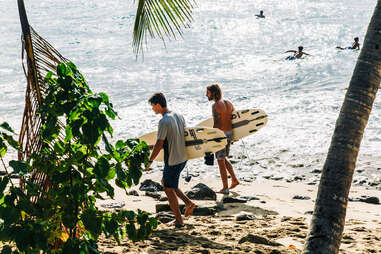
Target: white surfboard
245, 122
198, 141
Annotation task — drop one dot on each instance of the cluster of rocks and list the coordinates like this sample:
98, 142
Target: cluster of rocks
198, 192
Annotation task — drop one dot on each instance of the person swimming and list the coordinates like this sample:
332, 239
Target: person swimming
355, 45
297, 54
260, 15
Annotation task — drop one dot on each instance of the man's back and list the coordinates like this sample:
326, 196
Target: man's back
222, 114
171, 129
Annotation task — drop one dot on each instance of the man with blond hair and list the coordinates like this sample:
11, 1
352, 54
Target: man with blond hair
222, 117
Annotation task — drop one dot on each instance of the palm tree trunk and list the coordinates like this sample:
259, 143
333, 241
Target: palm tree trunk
328, 219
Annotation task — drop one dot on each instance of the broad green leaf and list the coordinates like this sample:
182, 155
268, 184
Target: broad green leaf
6, 126
6, 250
92, 222
20, 167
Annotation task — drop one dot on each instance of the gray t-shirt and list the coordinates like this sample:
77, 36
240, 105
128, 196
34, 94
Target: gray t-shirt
171, 130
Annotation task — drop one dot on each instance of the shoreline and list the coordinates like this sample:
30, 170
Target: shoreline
276, 216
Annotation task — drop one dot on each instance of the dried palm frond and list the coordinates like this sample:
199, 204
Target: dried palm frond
40, 58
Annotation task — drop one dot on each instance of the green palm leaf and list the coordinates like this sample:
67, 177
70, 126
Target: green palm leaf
161, 18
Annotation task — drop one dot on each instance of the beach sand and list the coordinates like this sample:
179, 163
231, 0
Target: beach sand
278, 224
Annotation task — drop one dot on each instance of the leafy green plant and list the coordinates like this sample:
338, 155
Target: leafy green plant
79, 163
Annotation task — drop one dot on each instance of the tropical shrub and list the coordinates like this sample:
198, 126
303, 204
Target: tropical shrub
79, 163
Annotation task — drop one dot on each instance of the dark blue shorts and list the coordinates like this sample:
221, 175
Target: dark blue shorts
171, 175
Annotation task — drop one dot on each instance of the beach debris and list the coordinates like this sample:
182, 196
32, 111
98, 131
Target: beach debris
201, 192
110, 204
133, 193
258, 239
165, 217
366, 199
154, 195
301, 197
149, 185
229, 199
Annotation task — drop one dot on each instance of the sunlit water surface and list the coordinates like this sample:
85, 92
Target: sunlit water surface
227, 45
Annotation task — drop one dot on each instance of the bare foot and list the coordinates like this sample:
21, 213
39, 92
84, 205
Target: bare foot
189, 210
233, 185
223, 191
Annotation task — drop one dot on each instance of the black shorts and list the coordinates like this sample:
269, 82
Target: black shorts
171, 175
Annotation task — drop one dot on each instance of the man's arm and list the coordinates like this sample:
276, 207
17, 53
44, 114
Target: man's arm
290, 51
216, 117
306, 54
156, 149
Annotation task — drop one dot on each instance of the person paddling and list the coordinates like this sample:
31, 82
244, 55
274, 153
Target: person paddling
297, 54
260, 15
355, 45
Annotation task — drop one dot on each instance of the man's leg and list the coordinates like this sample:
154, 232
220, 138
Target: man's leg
224, 176
188, 203
229, 167
174, 204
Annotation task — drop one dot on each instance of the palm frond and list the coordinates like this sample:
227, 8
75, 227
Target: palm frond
161, 18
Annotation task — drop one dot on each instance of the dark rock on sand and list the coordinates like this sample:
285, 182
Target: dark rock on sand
258, 239
165, 207
203, 211
301, 197
165, 217
366, 199
154, 195
163, 198
133, 193
201, 192
230, 199
243, 217
249, 198
149, 185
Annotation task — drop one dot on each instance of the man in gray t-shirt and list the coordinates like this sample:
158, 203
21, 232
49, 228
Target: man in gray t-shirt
171, 137
171, 130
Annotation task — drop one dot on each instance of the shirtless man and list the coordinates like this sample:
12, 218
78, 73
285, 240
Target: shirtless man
297, 54
355, 45
222, 116
260, 15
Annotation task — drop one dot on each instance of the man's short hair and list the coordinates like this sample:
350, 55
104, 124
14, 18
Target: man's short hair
215, 90
300, 47
158, 98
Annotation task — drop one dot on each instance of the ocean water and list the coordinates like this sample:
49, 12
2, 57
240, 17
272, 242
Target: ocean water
226, 44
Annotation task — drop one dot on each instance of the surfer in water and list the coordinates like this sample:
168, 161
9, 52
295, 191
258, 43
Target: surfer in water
170, 136
260, 15
355, 45
297, 54
222, 117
